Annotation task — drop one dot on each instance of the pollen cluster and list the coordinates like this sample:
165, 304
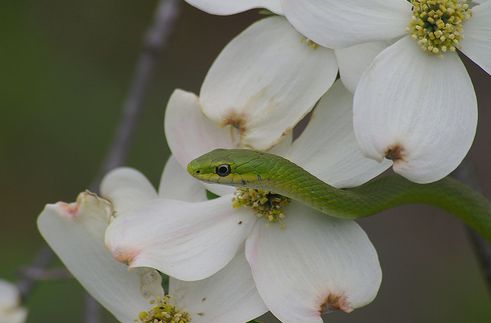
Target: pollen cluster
265, 204
163, 311
437, 24
309, 42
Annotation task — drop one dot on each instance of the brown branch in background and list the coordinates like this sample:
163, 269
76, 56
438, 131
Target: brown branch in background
154, 42
466, 173
40, 262
46, 274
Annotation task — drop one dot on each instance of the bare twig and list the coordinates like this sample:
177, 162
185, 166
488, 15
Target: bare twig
46, 274
42, 260
92, 310
155, 40
482, 248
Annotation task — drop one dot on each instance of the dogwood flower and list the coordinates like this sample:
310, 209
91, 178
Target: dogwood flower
303, 266
415, 104
76, 233
10, 310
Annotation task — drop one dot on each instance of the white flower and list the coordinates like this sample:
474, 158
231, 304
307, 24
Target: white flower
412, 106
76, 233
314, 264
10, 309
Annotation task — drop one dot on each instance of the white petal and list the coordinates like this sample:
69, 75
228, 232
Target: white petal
315, 261
9, 296
188, 241
220, 7
127, 188
338, 24
284, 146
10, 311
477, 36
354, 60
228, 296
177, 184
265, 81
189, 133
13, 315
76, 233
220, 190
419, 108
328, 148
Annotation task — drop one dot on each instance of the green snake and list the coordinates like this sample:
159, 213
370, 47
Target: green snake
260, 170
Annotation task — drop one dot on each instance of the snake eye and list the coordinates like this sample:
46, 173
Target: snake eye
223, 170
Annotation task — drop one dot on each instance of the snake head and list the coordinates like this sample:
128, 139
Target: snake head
234, 167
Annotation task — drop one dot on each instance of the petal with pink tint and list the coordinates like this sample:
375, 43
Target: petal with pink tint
188, 241
76, 234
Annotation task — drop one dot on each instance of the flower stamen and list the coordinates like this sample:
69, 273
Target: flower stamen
265, 204
163, 311
309, 42
437, 24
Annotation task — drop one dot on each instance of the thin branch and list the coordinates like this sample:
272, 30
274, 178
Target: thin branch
46, 274
466, 173
42, 260
154, 42
92, 310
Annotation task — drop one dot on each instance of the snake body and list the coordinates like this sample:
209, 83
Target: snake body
260, 170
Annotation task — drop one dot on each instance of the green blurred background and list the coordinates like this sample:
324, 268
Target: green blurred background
65, 70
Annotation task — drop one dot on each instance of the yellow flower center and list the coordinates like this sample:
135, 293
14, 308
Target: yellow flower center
265, 204
163, 311
437, 24
309, 42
